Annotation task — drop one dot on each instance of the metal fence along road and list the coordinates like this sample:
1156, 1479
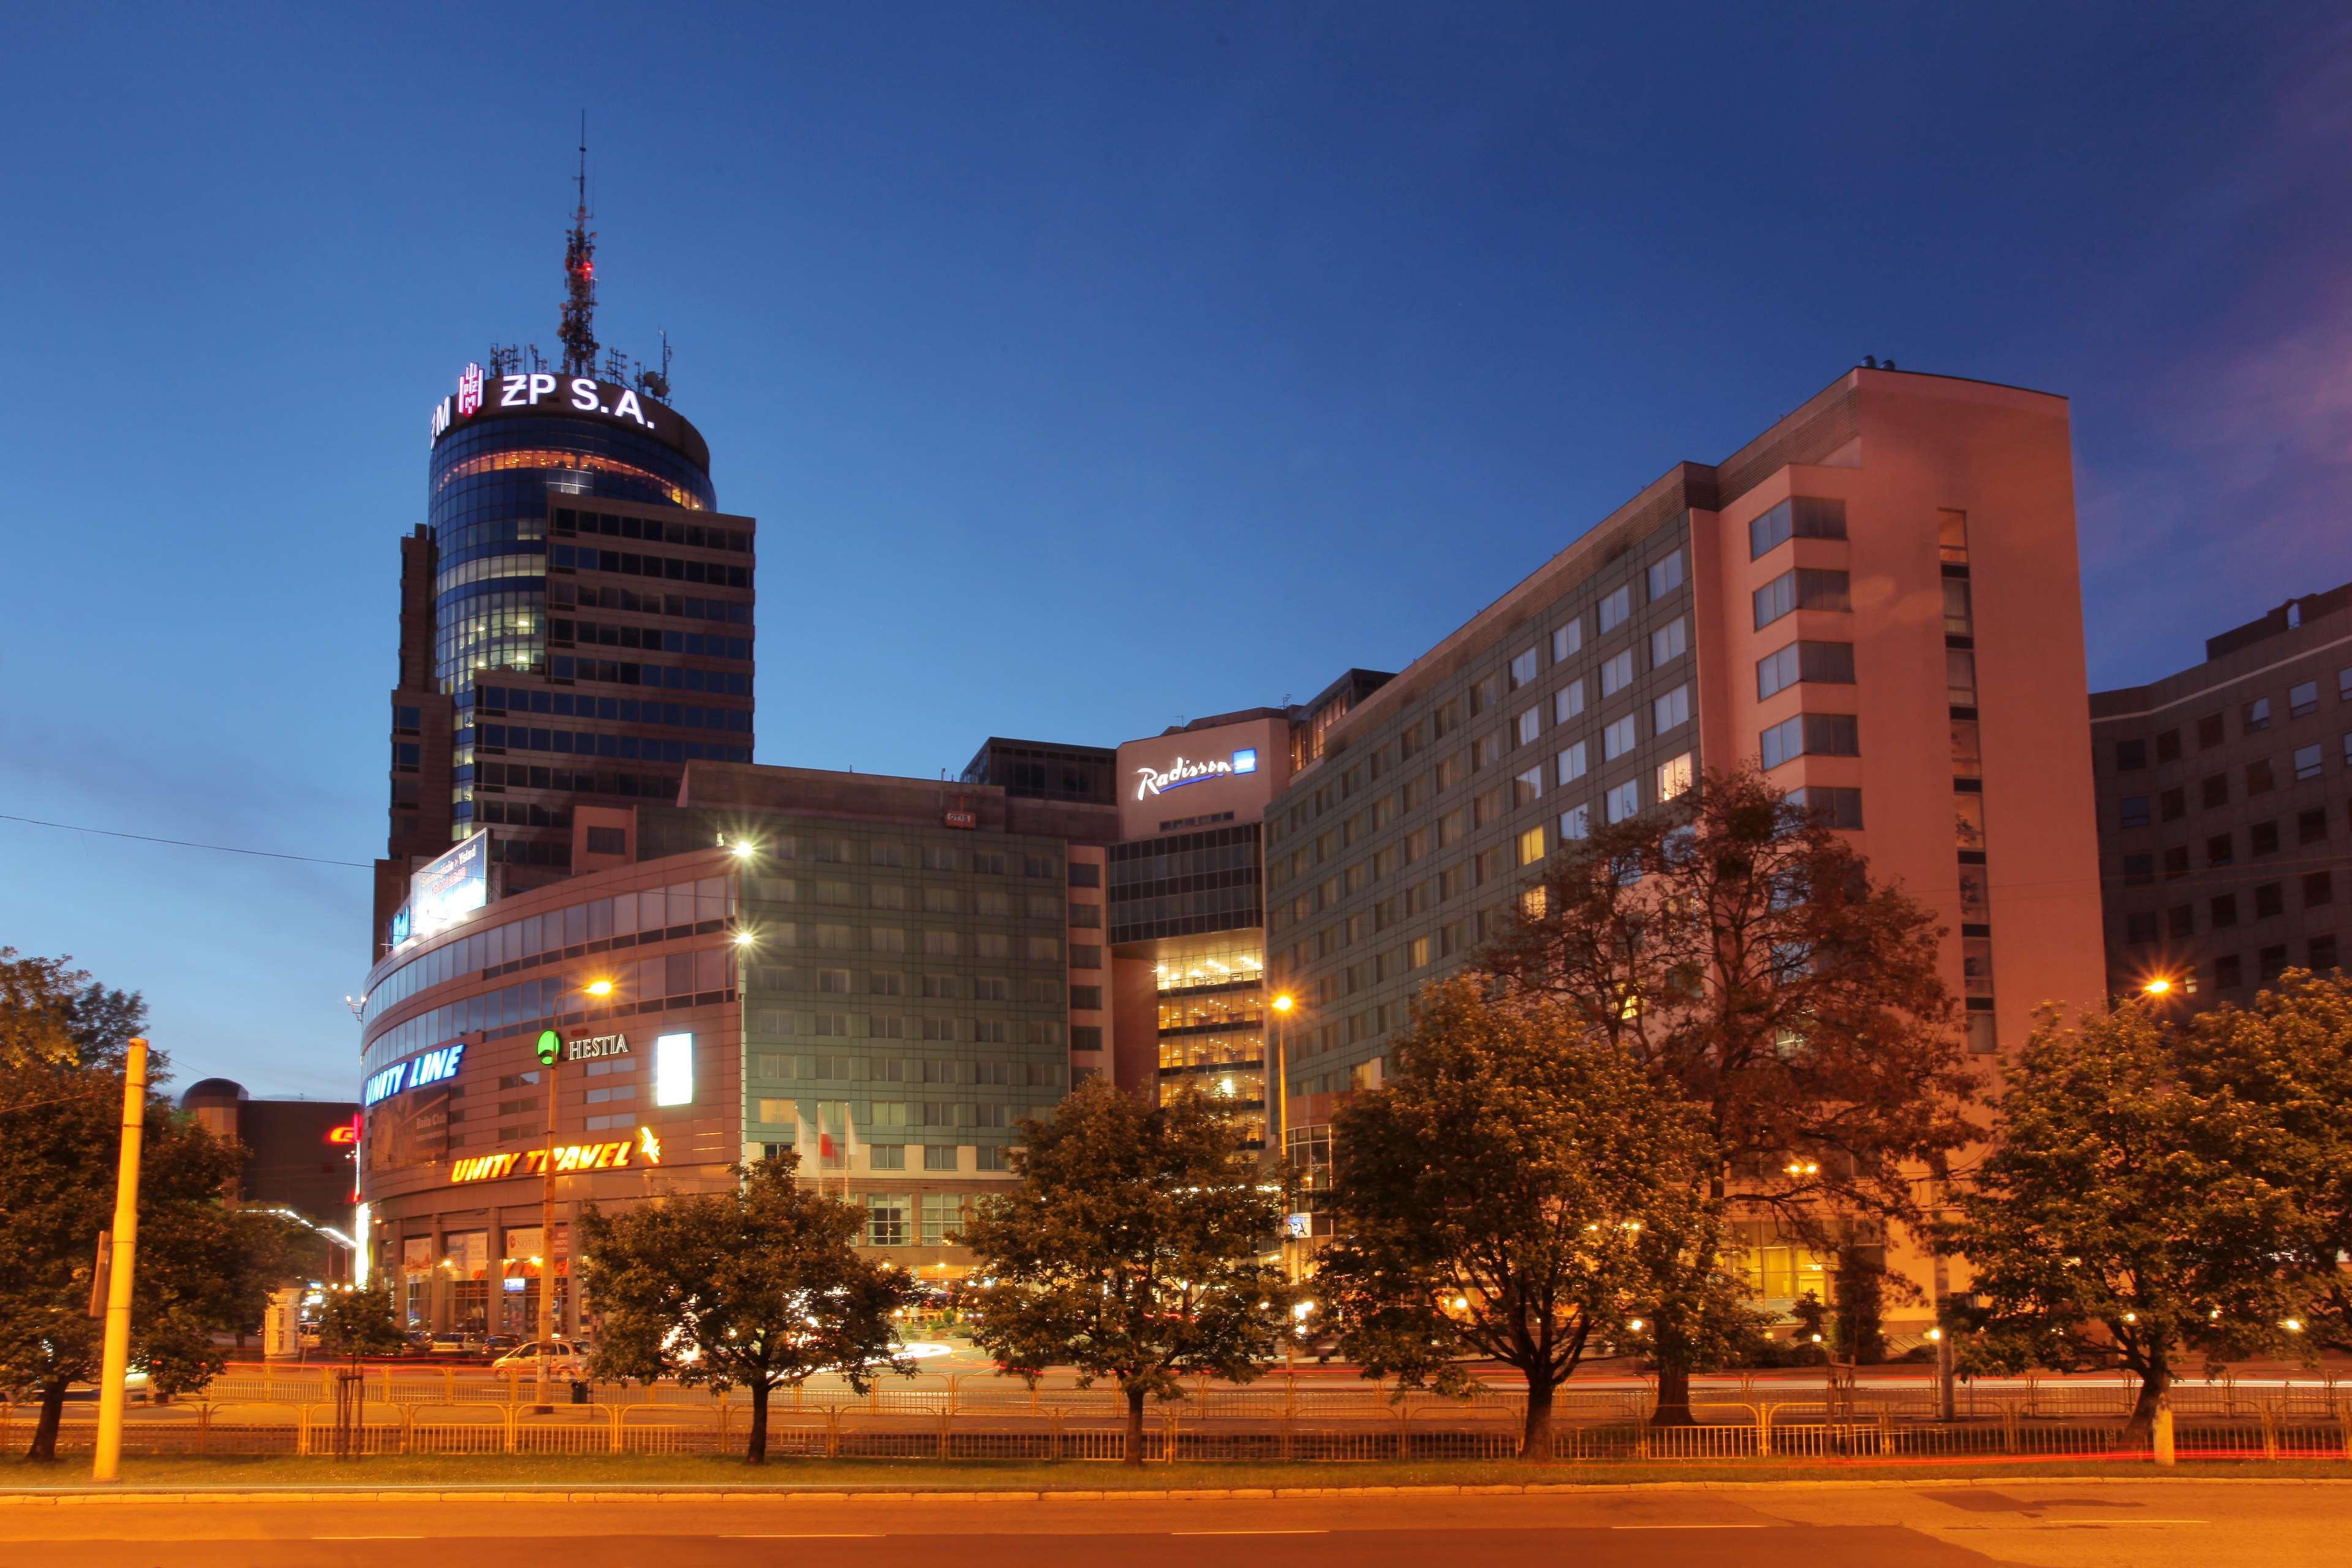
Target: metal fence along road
981, 1416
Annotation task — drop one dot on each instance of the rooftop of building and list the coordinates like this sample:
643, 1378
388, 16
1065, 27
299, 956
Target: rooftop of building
2287, 631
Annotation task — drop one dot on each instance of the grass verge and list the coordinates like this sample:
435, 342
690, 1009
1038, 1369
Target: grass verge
658, 1473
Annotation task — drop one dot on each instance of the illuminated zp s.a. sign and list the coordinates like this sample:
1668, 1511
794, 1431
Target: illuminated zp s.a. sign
1184, 771
526, 390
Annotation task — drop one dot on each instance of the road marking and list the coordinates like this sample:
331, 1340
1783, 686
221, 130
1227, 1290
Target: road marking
1743, 1526
367, 1538
814, 1535
1249, 1532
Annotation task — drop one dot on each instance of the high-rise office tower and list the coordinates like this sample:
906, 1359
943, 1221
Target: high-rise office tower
575, 615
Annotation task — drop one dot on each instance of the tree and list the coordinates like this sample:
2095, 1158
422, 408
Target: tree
359, 1321
2111, 1224
1514, 1194
1736, 947
1137, 1247
1861, 1304
51, 1013
2288, 1061
59, 1125
761, 1287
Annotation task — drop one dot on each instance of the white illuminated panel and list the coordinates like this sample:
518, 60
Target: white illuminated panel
674, 1069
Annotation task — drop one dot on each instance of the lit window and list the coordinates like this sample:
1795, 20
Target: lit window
1531, 846
674, 1069
1674, 778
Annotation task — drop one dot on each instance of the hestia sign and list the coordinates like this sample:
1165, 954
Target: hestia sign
1184, 770
596, 1045
436, 1066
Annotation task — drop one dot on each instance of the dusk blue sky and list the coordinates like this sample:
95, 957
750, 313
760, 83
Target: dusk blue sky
1088, 368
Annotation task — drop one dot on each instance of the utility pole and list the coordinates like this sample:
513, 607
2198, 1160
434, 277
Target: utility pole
115, 1363
550, 1055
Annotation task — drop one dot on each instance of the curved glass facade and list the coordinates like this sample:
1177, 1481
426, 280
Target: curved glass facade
489, 488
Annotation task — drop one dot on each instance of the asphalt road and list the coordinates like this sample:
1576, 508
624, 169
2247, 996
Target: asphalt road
2059, 1524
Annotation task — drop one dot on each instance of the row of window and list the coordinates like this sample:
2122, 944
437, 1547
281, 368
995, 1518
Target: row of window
2311, 827
785, 1066
2303, 764
569, 522
667, 677
2269, 900
622, 710
639, 985
994, 902
2254, 715
589, 595
628, 748
646, 639
670, 568
2228, 971
909, 1026
827, 850
520, 775
929, 943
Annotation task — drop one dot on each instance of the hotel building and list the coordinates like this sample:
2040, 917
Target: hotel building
2221, 820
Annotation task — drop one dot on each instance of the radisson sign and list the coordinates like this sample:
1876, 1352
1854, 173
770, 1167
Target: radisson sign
1184, 771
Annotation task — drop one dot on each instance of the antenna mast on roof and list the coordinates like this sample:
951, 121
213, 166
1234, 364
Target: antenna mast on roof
578, 333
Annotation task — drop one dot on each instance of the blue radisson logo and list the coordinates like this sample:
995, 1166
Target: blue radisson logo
430, 1066
1184, 771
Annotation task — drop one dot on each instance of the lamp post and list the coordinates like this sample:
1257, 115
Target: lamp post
1282, 1004
551, 1053
114, 1362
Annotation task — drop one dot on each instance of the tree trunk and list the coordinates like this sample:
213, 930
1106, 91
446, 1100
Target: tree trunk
1673, 1393
2154, 1383
1135, 1426
44, 1450
1535, 1442
755, 1452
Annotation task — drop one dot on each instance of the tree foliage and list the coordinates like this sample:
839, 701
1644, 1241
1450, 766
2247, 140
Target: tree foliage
1137, 1247
761, 1287
1737, 949
2113, 1222
2287, 1061
359, 1321
1517, 1194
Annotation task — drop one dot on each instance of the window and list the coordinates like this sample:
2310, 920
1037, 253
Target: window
1671, 711
1952, 537
1576, 823
2208, 731
1961, 677
1086, 998
1968, 749
2258, 715
2273, 963
2228, 972
2269, 899
608, 841
1530, 725
2174, 803
1568, 702
1957, 620
1669, 643
1817, 734
2225, 912
1624, 800
2135, 811
2168, 746
2311, 825
1526, 787
1829, 807
1802, 589
1568, 639
1828, 662
1615, 607
1675, 777
939, 1157
1531, 846
2180, 921
2218, 850
885, 1219
1523, 668
1666, 576
886, 1156
1968, 812
2139, 870
1617, 673
2307, 763
2175, 863
1976, 965
2323, 954
1617, 739
1799, 517
2140, 927
1982, 1038
1571, 763
2216, 790
2130, 754
2261, 777
2302, 697
2262, 838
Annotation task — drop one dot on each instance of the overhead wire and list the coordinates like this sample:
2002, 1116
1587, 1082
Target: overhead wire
188, 843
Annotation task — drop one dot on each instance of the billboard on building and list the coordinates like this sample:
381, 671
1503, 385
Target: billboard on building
450, 889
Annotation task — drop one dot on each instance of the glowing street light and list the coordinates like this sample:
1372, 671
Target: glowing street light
598, 988
2160, 986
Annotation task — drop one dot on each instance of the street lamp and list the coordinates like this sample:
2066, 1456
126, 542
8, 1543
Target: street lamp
2160, 986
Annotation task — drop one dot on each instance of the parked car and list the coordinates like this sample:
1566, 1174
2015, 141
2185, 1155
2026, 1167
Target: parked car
448, 1341
566, 1360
